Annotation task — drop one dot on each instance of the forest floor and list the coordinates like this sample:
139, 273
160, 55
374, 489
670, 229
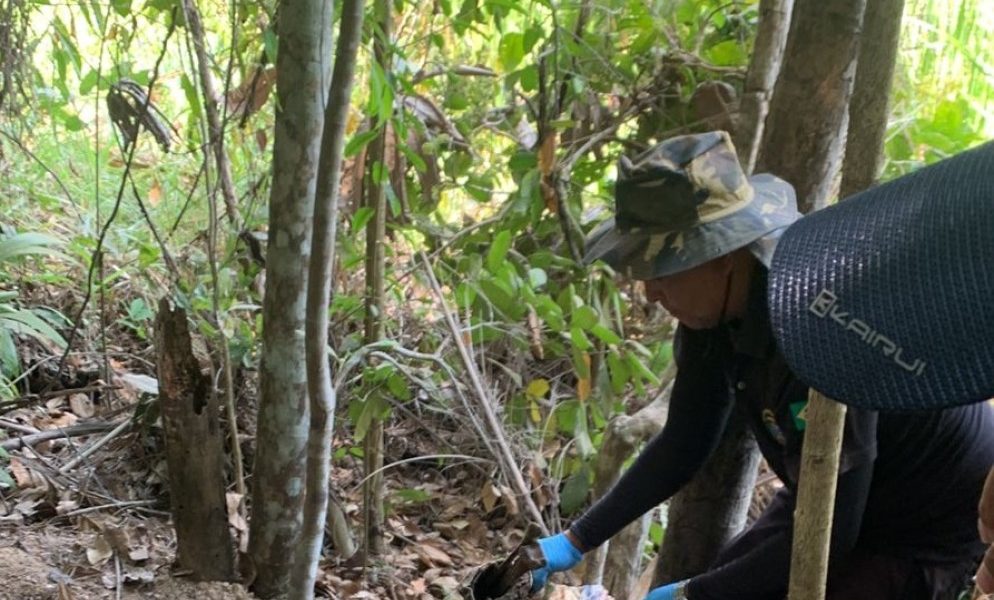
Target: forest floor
87, 516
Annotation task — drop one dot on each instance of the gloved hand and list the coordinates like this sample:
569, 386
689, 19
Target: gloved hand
560, 555
673, 591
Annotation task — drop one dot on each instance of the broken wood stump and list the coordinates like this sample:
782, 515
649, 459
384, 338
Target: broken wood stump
194, 450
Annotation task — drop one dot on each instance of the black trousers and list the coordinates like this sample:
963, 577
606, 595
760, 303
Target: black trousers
862, 575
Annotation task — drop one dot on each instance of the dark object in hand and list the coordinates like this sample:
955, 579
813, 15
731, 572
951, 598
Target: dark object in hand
494, 580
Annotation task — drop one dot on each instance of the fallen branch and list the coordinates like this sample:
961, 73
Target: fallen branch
55, 434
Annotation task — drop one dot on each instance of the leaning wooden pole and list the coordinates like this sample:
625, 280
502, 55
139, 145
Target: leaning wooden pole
816, 497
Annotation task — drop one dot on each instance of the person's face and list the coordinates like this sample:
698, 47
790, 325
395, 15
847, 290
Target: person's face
695, 297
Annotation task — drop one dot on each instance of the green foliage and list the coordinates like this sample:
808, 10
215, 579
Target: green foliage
15, 320
494, 103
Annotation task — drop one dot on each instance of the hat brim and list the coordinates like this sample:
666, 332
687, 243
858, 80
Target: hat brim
883, 301
645, 254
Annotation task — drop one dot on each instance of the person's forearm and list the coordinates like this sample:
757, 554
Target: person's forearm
692, 431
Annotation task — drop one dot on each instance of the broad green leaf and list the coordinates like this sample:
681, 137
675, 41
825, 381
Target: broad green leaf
27, 323
584, 317
498, 250
512, 50
605, 334
579, 339
726, 54
618, 371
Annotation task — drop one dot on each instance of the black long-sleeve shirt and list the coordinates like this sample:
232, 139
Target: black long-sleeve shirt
909, 483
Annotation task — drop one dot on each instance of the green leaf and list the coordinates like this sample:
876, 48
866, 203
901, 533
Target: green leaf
575, 490
528, 76
398, 387
511, 50
10, 362
465, 294
584, 317
498, 250
537, 277
21, 244
359, 141
605, 334
270, 43
361, 218
580, 339
618, 371
27, 323
726, 54
89, 82
190, 91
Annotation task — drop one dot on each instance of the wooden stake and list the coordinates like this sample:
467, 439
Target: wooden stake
816, 497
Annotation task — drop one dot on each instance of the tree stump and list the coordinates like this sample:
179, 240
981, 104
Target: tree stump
194, 451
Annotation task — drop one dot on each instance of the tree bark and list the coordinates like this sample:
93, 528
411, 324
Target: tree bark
870, 104
616, 562
194, 451
215, 128
277, 491
805, 127
319, 386
823, 439
764, 66
712, 508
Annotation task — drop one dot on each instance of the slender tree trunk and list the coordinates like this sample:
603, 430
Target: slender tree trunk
869, 108
803, 139
319, 385
764, 66
868, 113
712, 508
194, 450
278, 494
375, 240
214, 126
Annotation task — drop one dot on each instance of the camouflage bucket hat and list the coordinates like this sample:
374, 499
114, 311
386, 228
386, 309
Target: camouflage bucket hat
687, 201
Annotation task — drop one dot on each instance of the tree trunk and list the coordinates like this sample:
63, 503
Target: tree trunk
215, 128
375, 239
277, 491
870, 104
764, 66
804, 130
823, 440
194, 451
616, 562
319, 386
712, 508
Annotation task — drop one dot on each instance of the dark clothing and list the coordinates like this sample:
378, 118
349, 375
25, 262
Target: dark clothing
908, 487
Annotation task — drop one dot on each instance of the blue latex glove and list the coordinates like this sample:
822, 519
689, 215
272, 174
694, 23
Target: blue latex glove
560, 555
673, 591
